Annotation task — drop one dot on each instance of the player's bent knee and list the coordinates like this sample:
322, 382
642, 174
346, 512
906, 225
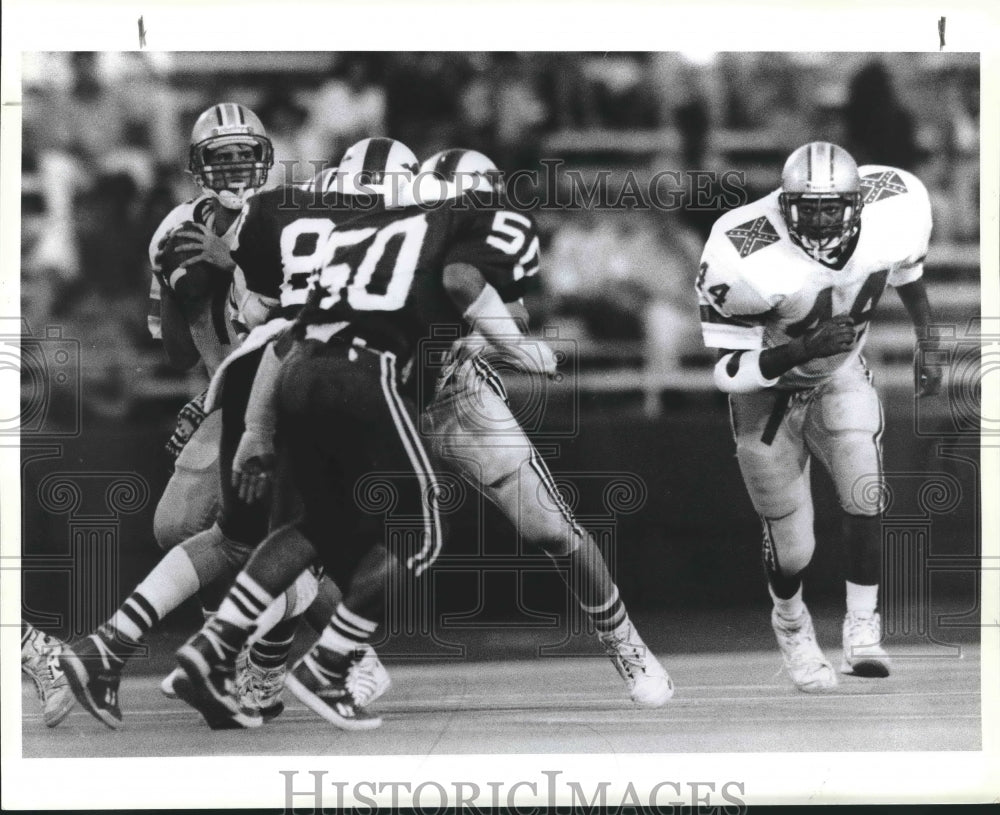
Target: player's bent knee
188, 505
176, 521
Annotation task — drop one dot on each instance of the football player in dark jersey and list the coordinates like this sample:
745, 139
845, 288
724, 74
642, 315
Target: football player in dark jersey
95, 663
377, 283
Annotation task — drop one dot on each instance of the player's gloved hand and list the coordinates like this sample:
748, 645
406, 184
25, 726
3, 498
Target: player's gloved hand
254, 465
830, 337
927, 372
210, 247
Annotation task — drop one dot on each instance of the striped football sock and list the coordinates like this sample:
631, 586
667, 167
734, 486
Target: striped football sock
246, 601
170, 583
271, 650
346, 634
608, 615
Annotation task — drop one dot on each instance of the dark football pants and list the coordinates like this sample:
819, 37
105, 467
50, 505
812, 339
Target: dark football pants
244, 523
358, 463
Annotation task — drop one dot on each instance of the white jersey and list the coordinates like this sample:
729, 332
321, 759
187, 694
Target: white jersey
216, 331
757, 289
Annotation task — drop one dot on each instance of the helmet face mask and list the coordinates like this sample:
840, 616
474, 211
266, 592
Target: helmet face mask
821, 199
821, 223
230, 154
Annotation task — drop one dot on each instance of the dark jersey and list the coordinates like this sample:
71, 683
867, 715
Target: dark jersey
379, 269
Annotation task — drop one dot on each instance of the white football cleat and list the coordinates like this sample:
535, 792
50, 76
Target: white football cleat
863, 653
367, 678
648, 683
806, 665
327, 694
39, 662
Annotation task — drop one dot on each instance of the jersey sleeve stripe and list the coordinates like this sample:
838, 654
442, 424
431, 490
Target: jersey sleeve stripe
734, 337
710, 315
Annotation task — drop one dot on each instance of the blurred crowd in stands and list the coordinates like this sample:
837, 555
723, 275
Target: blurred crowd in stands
105, 145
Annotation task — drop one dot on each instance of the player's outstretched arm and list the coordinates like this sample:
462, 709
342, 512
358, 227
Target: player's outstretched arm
914, 298
254, 461
486, 313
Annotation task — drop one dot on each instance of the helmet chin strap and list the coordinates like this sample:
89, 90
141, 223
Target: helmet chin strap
228, 198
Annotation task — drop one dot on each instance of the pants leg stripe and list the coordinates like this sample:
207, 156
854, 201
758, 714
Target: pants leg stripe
539, 466
420, 463
877, 439
491, 377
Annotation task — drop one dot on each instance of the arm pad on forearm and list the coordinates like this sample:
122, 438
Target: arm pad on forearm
739, 372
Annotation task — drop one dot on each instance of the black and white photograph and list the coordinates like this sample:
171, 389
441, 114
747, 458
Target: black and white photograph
403, 424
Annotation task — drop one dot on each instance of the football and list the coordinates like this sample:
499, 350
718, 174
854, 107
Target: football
195, 282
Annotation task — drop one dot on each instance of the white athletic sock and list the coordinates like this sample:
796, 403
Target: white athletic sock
861, 599
790, 609
170, 583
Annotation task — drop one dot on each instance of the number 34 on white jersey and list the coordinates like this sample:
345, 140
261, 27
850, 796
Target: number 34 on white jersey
757, 289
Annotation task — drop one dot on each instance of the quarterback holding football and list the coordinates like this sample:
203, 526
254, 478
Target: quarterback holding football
787, 287
195, 293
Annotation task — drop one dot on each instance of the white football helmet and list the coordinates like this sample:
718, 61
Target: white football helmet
815, 175
230, 153
470, 169
452, 173
374, 166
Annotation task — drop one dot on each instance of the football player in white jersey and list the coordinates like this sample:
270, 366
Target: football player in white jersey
787, 287
230, 157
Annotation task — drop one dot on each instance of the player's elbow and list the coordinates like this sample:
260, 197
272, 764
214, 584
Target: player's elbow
463, 282
739, 372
